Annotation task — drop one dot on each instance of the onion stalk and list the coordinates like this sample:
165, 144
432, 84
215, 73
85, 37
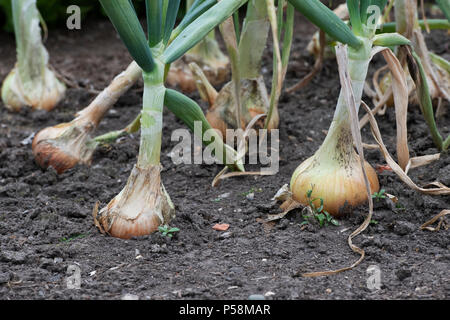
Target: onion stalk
245, 96
334, 173
143, 205
31, 82
67, 144
408, 24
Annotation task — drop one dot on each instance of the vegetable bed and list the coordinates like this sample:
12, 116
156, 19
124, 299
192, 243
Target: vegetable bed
46, 221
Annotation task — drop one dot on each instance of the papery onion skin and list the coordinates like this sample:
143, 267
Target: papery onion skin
181, 75
341, 187
139, 209
254, 101
47, 99
67, 144
207, 55
63, 146
334, 173
10, 99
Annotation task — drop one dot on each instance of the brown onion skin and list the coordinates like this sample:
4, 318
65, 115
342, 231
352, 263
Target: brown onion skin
216, 122
181, 75
139, 209
338, 202
126, 229
48, 155
183, 79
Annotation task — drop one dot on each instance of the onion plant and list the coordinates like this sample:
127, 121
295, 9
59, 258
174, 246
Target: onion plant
207, 54
334, 172
436, 68
437, 63
246, 96
31, 82
67, 144
144, 204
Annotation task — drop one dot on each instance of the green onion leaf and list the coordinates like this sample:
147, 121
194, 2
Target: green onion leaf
154, 21
355, 17
197, 9
363, 10
380, 3
200, 27
325, 19
124, 19
439, 61
171, 17
432, 23
423, 94
194, 5
390, 40
189, 112
237, 28
132, 5
445, 7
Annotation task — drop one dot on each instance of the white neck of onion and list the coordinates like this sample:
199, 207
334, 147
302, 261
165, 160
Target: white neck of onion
96, 110
152, 117
339, 141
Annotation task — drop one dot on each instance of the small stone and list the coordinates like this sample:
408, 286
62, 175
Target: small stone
130, 296
221, 226
224, 195
328, 290
269, 294
138, 254
57, 260
421, 290
28, 140
256, 297
225, 235
156, 248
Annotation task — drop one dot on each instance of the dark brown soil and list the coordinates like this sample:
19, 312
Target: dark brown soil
46, 223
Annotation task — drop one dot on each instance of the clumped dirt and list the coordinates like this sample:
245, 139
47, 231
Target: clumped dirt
46, 223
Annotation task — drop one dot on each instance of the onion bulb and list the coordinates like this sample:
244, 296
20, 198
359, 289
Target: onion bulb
67, 144
64, 145
31, 82
38, 93
139, 209
334, 172
254, 101
247, 53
